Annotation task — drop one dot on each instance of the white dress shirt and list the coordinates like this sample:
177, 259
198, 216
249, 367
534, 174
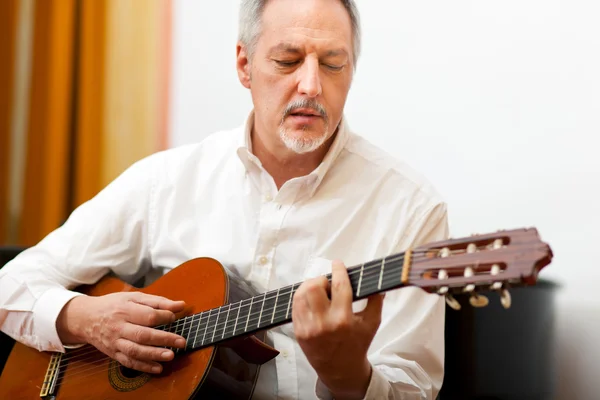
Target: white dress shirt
214, 199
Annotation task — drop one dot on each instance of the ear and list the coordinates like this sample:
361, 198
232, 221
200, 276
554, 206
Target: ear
243, 65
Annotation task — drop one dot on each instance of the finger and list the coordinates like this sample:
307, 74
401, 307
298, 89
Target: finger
143, 366
158, 302
152, 337
141, 314
300, 315
341, 290
371, 314
314, 293
139, 352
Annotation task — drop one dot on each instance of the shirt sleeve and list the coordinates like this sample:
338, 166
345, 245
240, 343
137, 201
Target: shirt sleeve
407, 353
106, 234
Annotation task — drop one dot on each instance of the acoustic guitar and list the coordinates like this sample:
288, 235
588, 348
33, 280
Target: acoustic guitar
226, 324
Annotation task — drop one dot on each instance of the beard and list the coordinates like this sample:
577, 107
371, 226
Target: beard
307, 141
302, 144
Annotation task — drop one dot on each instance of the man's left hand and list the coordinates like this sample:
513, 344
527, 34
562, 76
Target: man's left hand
334, 339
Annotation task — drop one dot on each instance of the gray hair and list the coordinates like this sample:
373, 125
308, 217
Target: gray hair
250, 19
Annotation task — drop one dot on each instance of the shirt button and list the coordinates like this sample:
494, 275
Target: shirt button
263, 260
284, 353
268, 197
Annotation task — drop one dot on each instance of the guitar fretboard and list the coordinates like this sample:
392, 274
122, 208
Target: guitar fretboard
274, 308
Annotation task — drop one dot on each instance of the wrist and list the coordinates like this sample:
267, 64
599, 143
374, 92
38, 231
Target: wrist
353, 385
71, 320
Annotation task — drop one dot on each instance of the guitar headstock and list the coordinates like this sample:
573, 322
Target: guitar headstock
480, 263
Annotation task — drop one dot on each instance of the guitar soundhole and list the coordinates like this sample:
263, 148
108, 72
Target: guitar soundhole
125, 379
129, 373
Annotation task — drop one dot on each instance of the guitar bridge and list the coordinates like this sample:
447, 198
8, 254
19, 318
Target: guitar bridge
51, 378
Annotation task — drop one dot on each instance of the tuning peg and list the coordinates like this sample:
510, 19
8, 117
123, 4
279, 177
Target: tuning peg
478, 300
452, 302
468, 274
445, 252
505, 298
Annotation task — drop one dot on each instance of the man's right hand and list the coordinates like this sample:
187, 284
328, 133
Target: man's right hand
120, 326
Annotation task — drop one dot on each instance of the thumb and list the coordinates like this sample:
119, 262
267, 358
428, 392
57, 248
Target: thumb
372, 312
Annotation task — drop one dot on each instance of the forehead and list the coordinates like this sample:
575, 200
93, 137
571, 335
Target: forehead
319, 23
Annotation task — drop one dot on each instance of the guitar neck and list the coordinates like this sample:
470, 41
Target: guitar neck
274, 308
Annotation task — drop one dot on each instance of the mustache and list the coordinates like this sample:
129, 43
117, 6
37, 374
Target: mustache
305, 103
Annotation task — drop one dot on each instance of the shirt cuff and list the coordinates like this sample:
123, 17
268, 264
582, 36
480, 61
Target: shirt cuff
378, 387
46, 311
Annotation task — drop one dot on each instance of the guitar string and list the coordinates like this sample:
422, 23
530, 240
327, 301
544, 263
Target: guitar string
100, 368
205, 315
223, 326
368, 282
94, 368
221, 331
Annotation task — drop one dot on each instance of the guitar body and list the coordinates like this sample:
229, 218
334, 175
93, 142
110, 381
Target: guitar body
223, 371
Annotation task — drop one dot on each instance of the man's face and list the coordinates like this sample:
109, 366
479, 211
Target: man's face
301, 71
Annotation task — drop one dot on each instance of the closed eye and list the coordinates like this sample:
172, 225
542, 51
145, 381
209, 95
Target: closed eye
286, 63
334, 67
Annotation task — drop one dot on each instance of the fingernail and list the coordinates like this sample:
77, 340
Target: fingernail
156, 369
166, 355
180, 342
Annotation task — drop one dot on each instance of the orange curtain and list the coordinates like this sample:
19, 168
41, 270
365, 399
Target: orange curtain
8, 26
91, 99
95, 102
48, 136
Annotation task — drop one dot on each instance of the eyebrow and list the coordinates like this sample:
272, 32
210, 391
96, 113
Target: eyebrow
289, 48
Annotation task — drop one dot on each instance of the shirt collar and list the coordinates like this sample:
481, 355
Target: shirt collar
314, 179
244, 145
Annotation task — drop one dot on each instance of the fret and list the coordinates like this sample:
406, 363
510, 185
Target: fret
226, 320
177, 332
381, 274
292, 291
262, 307
206, 327
281, 309
210, 324
371, 278
236, 318
244, 314
268, 309
177, 326
166, 328
355, 277
255, 312
393, 272
197, 323
187, 325
362, 269
249, 313
275, 305
216, 324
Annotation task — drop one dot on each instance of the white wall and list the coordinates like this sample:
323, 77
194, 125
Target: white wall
497, 102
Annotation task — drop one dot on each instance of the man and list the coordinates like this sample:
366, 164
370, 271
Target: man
276, 201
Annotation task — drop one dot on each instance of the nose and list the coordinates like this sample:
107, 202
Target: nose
309, 81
